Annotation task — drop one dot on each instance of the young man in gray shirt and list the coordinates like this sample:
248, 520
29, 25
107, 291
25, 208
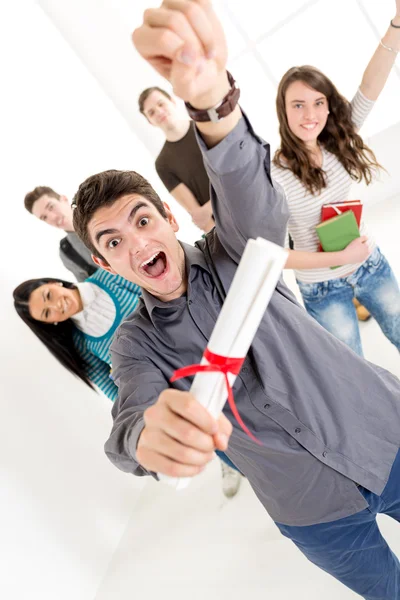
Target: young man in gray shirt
328, 420
55, 210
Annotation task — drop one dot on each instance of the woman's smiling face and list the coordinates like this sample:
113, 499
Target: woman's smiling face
306, 110
53, 303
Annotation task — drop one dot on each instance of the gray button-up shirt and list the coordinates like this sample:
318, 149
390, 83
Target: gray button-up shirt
328, 419
85, 267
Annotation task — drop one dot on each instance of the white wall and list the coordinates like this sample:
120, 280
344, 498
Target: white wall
63, 506
99, 33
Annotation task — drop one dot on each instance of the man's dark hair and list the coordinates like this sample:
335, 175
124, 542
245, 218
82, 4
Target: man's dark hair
37, 193
104, 189
146, 93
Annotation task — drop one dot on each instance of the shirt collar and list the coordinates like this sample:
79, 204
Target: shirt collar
194, 257
87, 293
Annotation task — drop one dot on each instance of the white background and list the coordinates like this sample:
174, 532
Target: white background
68, 108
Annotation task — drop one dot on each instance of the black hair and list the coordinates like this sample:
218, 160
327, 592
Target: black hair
58, 340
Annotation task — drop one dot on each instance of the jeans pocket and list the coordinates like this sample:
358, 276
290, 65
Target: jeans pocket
374, 261
313, 292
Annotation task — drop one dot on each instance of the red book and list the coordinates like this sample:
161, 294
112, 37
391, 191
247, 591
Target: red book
333, 210
328, 211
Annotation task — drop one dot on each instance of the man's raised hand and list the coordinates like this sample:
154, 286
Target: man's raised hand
184, 41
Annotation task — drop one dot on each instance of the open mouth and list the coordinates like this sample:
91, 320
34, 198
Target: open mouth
309, 126
156, 265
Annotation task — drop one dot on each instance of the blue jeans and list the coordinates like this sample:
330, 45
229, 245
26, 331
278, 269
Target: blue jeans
226, 460
352, 549
373, 284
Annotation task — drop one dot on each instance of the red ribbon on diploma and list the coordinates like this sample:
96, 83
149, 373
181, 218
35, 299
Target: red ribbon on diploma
220, 364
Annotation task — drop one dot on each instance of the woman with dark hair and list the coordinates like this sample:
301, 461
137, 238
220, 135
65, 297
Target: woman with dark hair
77, 322
320, 156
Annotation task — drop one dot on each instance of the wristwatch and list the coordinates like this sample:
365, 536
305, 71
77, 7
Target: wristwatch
219, 111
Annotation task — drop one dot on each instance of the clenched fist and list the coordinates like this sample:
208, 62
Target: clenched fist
180, 435
184, 41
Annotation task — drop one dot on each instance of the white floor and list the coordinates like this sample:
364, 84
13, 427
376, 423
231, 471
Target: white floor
196, 545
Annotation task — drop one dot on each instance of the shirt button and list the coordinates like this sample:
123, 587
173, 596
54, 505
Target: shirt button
267, 405
297, 430
324, 453
190, 302
241, 145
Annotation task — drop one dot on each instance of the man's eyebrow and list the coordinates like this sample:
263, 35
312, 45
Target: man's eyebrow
152, 107
133, 212
45, 208
103, 232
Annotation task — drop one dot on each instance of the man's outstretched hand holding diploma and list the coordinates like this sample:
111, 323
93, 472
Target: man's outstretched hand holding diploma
180, 435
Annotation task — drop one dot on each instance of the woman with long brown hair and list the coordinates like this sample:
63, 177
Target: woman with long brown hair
320, 157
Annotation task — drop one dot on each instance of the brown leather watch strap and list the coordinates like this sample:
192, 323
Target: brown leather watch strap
221, 110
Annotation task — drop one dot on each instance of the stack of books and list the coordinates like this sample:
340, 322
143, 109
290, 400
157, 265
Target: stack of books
340, 225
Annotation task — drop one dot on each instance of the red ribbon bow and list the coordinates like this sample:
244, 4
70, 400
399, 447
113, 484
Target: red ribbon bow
220, 364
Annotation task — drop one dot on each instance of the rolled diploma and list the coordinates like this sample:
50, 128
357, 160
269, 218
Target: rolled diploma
252, 287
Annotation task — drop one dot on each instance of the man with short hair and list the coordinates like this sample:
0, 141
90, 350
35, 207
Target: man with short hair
112, 186
328, 420
180, 163
52, 208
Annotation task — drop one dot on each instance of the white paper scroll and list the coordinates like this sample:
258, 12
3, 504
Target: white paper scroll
251, 289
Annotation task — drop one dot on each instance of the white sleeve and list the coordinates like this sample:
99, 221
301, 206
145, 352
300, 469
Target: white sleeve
361, 106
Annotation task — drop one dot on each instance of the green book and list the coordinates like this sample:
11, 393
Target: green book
337, 233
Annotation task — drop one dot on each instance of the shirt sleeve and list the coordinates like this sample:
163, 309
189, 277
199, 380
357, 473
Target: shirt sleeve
246, 204
79, 273
361, 106
139, 383
169, 179
99, 373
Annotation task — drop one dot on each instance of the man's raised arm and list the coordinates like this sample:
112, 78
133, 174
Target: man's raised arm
184, 41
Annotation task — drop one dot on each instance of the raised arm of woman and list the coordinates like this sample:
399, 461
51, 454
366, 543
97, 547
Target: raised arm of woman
380, 65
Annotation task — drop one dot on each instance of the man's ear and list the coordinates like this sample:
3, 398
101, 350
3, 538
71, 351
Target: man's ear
63, 198
100, 262
171, 219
